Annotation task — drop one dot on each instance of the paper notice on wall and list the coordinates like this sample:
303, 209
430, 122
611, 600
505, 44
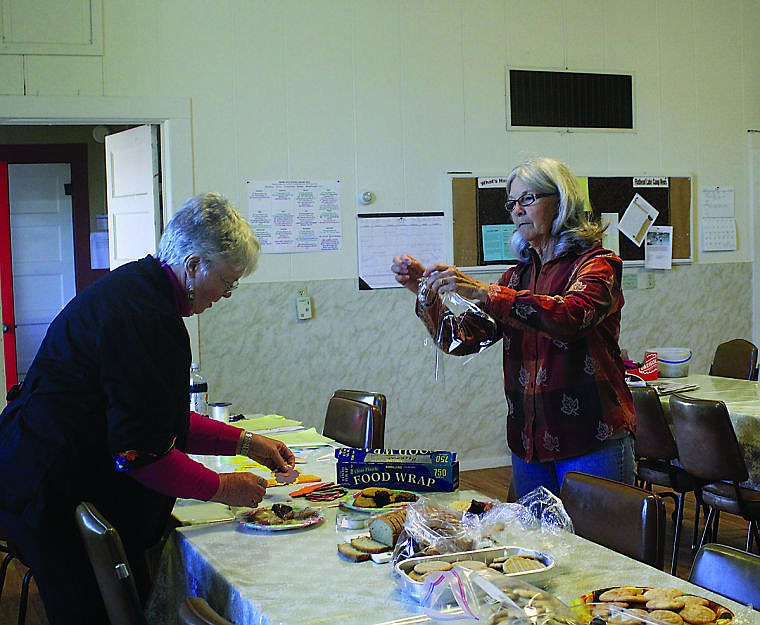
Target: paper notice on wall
611, 237
716, 202
718, 235
658, 251
291, 216
637, 219
99, 250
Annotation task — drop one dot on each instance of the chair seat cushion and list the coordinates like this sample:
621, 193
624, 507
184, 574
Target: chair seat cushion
722, 495
663, 473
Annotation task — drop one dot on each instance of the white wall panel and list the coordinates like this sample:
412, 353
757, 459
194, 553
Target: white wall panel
11, 74
64, 75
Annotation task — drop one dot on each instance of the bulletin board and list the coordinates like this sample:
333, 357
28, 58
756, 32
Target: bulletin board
473, 208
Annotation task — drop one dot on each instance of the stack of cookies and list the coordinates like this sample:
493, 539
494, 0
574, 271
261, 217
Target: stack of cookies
667, 605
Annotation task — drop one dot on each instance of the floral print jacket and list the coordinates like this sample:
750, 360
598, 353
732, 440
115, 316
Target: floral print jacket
563, 375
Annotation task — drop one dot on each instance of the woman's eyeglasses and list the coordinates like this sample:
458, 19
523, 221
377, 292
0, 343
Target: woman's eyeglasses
230, 286
526, 199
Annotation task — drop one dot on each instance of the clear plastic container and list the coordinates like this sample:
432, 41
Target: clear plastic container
198, 390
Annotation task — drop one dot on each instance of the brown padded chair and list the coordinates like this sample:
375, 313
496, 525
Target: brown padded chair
109, 562
656, 457
368, 397
708, 450
735, 359
730, 572
621, 517
196, 611
354, 423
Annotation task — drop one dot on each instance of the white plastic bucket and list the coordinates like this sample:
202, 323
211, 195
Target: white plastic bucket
672, 362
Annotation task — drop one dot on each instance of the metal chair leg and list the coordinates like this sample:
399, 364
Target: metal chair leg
4, 570
24, 597
677, 533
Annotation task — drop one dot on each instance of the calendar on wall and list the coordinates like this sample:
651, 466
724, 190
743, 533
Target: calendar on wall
718, 234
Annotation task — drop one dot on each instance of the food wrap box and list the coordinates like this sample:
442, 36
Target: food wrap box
407, 469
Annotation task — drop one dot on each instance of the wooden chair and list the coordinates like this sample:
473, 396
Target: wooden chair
354, 423
196, 611
730, 572
735, 359
624, 518
656, 462
109, 562
708, 450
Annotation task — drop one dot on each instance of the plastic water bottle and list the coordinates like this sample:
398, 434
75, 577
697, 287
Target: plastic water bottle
198, 390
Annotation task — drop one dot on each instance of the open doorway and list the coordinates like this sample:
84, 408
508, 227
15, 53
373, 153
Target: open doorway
54, 119
53, 208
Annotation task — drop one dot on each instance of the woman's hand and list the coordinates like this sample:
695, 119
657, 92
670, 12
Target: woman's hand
240, 489
271, 453
407, 271
448, 279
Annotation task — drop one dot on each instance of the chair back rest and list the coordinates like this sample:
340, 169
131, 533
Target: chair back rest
707, 445
368, 397
653, 436
735, 359
623, 518
196, 611
354, 423
109, 562
730, 572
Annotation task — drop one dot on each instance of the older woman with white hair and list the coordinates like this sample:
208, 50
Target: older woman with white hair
557, 312
103, 413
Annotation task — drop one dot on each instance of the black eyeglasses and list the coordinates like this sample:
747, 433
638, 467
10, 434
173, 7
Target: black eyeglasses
230, 286
526, 199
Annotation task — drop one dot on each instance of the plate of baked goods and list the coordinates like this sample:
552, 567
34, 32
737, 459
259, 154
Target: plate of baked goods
493, 563
279, 517
658, 604
379, 499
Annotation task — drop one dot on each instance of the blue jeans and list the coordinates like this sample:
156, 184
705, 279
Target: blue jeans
613, 460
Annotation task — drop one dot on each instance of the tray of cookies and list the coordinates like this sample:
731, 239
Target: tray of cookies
651, 604
378, 499
492, 563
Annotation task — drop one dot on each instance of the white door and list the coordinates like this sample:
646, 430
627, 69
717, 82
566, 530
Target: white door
42, 248
132, 194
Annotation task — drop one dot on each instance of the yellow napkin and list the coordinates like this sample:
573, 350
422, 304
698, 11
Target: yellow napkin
266, 422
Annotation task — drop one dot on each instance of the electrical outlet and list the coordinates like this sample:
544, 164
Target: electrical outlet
302, 291
630, 282
303, 307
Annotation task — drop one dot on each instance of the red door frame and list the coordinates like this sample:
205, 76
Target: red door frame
6, 282
75, 154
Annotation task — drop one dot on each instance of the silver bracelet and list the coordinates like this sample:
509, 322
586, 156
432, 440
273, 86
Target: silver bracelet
245, 445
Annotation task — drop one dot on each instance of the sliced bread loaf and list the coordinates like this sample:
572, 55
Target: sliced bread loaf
352, 553
386, 528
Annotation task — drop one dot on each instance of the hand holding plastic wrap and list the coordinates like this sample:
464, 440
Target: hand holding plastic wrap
462, 325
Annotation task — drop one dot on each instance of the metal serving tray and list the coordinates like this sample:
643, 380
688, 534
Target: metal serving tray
414, 588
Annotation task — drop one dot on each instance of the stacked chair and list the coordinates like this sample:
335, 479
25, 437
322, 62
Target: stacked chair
657, 462
709, 450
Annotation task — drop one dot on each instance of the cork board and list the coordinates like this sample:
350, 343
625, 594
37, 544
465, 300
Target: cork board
474, 207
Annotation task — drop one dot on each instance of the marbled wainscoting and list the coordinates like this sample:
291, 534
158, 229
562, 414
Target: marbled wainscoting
258, 356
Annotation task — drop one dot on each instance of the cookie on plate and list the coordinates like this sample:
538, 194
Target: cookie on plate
667, 616
697, 614
665, 603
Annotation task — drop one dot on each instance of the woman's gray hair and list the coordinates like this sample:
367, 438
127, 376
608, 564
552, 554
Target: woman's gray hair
209, 225
572, 229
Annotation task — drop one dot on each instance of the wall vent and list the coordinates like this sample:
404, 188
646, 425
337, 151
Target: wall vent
561, 99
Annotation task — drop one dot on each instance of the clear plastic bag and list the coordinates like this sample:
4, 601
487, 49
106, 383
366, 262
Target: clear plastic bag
465, 595
461, 321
